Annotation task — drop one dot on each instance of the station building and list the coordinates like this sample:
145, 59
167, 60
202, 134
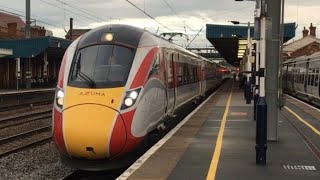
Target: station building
28, 63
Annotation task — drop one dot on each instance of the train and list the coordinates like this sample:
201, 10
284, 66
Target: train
301, 77
116, 85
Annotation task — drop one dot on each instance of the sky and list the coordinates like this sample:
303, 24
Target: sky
187, 16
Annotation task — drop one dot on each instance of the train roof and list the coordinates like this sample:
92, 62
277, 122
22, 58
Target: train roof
160, 41
122, 34
130, 36
314, 56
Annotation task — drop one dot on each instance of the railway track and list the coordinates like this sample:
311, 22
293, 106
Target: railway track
24, 105
25, 118
14, 143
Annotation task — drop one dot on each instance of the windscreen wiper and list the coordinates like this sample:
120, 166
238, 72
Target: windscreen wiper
83, 76
87, 79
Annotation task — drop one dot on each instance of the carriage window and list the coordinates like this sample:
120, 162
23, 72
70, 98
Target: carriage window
293, 75
312, 79
300, 78
191, 80
309, 79
155, 65
180, 73
316, 80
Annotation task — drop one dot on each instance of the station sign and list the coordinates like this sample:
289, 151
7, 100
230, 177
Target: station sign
5, 52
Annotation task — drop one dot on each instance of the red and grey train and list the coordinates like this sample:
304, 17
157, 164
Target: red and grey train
117, 83
301, 77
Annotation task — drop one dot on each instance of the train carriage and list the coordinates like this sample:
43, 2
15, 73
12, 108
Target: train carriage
301, 77
117, 83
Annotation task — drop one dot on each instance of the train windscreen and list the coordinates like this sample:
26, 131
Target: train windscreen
101, 66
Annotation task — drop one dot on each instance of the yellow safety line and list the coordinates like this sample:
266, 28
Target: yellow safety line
305, 122
215, 159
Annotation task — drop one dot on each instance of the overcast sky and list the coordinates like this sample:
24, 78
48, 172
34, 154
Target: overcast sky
187, 16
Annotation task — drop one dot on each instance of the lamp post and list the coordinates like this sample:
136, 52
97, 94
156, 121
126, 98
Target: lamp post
261, 104
247, 84
249, 68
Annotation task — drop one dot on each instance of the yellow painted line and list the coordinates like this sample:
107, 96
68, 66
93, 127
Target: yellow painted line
305, 122
298, 100
216, 155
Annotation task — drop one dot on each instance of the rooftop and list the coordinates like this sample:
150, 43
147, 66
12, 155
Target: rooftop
7, 18
295, 45
28, 48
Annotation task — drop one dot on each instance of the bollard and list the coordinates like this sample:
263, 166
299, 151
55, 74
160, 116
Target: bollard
255, 101
247, 92
261, 131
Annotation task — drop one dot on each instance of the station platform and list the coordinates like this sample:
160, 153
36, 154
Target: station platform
217, 141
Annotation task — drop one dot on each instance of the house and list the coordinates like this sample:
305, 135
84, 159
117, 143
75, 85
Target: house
307, 45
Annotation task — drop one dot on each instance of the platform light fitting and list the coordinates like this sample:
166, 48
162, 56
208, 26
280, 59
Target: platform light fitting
242, 47
243, 42
241, 51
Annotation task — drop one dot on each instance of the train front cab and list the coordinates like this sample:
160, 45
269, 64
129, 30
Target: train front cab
89, 103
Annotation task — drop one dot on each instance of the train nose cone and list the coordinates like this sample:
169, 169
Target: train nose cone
87, 130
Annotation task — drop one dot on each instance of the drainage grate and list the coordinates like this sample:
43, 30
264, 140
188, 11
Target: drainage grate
299, 167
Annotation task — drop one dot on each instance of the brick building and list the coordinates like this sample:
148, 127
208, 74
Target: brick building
307, 45
28, 63
76, 33
11, 27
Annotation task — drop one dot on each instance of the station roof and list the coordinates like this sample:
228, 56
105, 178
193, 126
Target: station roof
28, 48
227, 39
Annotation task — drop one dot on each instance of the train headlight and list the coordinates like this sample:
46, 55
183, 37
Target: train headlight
128, 102
107, 37
133, 95
130, 98
59, 98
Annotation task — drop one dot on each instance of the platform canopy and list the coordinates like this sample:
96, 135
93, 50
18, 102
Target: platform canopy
231, 40
28, 48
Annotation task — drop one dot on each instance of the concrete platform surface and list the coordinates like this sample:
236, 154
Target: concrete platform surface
196, 147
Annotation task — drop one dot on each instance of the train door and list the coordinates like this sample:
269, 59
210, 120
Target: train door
174, 58
170, 81
294, 77
306, 76
285, 76
318, 80
203, 78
